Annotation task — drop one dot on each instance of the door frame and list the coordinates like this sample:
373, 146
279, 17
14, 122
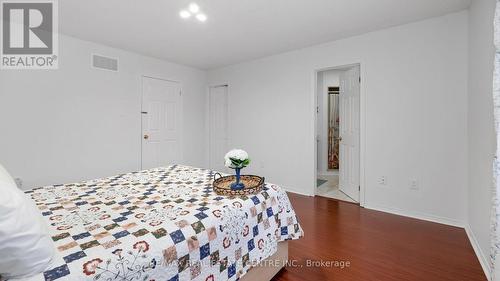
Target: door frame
207, 124
181, 115
362, 125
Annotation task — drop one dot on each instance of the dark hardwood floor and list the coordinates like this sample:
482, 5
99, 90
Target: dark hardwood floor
378, 246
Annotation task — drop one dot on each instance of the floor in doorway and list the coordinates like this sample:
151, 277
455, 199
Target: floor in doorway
330, 188
320, 182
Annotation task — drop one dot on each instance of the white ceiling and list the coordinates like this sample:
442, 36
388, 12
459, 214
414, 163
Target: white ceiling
236, 30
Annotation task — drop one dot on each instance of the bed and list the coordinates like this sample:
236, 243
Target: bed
163, 224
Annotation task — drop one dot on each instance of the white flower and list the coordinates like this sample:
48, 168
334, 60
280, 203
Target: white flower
237, 154
228, 162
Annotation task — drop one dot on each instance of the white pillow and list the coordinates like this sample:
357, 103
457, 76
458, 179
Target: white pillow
26, 248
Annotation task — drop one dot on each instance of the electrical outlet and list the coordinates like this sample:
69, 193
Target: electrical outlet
382, 180
414, 184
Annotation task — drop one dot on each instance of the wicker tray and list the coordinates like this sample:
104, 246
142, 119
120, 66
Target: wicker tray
222, 185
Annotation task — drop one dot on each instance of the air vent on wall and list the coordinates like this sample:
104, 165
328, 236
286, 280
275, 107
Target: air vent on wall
105, 63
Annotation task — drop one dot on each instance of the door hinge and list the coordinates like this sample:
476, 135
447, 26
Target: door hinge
317, 109
180, 93
359, 79
359, 187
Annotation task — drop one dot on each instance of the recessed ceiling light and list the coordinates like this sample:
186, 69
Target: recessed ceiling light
194, 8
185, 14
201, 17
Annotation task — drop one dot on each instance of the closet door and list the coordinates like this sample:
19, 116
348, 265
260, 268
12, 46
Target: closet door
218, 127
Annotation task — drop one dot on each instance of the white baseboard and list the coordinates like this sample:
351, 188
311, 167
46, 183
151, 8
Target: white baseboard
417, 215
483, 259
297, 192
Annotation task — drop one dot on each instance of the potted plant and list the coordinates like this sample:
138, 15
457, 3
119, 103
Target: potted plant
237, 159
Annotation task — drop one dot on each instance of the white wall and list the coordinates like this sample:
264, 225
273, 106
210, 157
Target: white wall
78, 123
328, 78
481, 135
415, 80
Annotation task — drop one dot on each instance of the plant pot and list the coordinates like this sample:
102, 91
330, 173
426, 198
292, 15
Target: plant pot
237, 185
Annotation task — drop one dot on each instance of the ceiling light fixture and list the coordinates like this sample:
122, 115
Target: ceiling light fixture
185, 14
193, 10
201, 17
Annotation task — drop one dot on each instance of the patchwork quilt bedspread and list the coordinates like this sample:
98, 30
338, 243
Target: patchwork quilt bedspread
161, 224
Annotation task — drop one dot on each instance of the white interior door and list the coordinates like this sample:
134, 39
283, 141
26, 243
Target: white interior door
349, 132
218, 127
161, 122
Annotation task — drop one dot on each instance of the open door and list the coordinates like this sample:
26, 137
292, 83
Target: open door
349, 146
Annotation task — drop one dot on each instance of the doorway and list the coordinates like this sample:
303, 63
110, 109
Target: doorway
161, 112
338, 133
218, 126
